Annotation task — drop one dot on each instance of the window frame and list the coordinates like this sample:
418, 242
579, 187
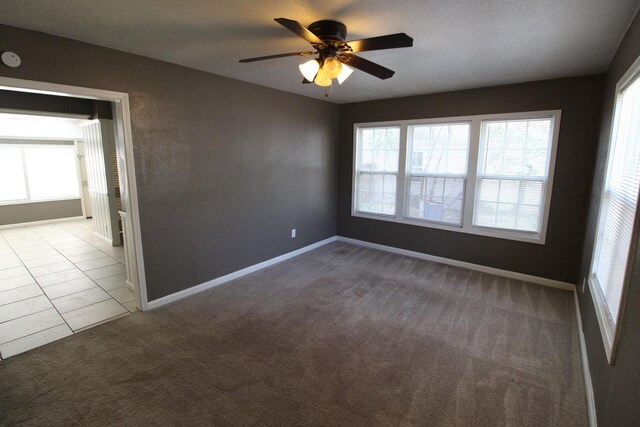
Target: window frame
357, 160
609, 330
51, 143
410, 174
467, 226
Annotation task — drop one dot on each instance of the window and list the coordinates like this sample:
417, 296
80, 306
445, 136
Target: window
512, 170
12, 174
377, 170
618, 205
438, 171
487, 175
37, 172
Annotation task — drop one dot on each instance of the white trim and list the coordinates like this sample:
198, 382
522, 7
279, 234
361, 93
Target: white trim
606, 324
236, 274
455, 263
130, 286
45, 88
478, 231
629, 76
44, 221
588, 385
123, 120
475, 133
52, 142
471, 177
610, 328
30, 202
104, 239
44, 113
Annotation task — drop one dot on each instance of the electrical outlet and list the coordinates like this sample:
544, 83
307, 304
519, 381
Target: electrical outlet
293, 233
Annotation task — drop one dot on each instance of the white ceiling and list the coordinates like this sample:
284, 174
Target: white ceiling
458, 44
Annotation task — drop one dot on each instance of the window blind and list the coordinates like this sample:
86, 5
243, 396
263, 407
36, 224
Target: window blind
513, 164
619, 201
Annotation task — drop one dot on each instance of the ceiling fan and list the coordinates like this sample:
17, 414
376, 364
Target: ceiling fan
335, 55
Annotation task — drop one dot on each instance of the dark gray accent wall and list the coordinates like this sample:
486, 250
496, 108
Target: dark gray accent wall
40, 211
615, 387
558, 259
224, 168
53, 104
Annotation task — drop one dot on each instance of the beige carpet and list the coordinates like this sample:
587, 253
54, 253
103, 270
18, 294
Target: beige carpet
342, 335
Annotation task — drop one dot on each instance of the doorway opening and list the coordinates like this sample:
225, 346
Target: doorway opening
108, 227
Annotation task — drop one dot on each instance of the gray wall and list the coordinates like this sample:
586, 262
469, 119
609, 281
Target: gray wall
224, 168
615, 387
40, 211
559, 259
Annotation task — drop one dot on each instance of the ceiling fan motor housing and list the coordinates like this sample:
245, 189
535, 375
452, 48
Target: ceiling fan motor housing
329, 31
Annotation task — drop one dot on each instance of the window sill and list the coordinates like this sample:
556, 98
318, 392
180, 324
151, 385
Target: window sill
607, 327
478, 231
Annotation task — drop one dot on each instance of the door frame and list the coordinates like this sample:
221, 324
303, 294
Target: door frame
123, 123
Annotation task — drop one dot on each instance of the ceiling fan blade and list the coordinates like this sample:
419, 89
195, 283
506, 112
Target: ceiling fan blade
390, 41
300, 30
365, 65
281, 55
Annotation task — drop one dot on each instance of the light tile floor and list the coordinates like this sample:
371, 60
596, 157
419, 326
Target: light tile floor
57, 279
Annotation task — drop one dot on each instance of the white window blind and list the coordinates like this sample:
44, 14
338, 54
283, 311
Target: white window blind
438, 171
513, 165
617, 210
34, 172
377, 158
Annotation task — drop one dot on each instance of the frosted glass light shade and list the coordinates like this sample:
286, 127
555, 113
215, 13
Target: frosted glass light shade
346, 72
322, 79
332, 67
309, 69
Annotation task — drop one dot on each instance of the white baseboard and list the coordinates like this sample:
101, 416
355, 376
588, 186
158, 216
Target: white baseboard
101, 237
251, 269
476, 267
588, 385
43, 222
235, 275
130, 286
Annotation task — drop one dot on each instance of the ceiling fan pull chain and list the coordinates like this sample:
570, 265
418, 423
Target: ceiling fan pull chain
326, 95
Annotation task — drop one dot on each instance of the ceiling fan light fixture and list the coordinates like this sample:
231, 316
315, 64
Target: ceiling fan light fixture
332, 67
309, 69
322, 79
328, 39
344, 74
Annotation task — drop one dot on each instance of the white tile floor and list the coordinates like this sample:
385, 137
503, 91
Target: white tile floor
57, 279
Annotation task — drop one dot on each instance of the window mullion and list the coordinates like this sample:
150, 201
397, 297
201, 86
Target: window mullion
402, 178
472, 173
